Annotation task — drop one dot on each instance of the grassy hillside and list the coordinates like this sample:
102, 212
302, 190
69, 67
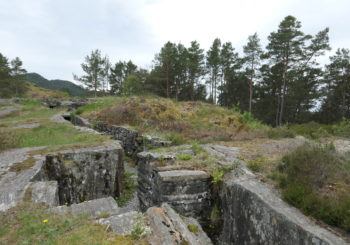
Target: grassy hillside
35, 92
54, 84
180, 121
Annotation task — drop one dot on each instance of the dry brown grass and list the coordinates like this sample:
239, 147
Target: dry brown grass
193, 120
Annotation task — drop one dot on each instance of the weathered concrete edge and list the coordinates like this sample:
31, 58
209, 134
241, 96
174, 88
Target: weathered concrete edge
265, 194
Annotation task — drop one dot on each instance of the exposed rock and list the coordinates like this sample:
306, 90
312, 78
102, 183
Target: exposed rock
11, 101
28, 125
94, 208
14, 181
72, 105
81, 174
168, 228
123, 223
228, 155
254, 214
45, 192
79, 121
155, 141
187, 191
6, 101
86, 173
60, 118
52, 103
194, 227
7, 110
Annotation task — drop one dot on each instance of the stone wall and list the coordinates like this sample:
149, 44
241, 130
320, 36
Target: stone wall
187, 191
87, 173
254, 214
131, 140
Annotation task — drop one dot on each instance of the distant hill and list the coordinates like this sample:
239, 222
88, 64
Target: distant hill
60, 85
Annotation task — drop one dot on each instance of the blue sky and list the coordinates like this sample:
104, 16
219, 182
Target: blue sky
53, 37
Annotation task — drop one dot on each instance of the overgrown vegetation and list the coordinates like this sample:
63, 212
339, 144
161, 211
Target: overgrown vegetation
257, 162
199, 159
29, 224
315, 179
178, 122
128, 189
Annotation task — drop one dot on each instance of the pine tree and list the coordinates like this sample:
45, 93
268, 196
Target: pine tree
94, 68
336, 104
252, 52
213, 66
116, 77
292, 54
165, 63
229, 63
18, 72
195, 67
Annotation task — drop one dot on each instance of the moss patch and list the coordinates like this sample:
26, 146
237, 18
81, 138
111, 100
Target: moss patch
21, 166
193, 229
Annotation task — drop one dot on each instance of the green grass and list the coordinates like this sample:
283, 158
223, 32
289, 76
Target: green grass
48, 134
31, 113
24, 225
184, 157
31, 102
257, 163
315, 179
128, 189
54, 134
97, 104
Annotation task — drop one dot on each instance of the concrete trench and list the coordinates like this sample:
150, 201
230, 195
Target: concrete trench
252, 213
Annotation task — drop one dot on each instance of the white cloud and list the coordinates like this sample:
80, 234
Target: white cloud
53, 37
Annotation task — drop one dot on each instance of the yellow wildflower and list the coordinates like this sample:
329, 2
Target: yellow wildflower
45, 221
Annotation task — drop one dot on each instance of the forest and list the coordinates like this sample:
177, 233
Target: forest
282, 83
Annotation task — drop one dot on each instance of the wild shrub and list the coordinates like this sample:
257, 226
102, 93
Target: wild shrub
312, 130
121, 114
342, 128
280, 132
314, 178
176, 138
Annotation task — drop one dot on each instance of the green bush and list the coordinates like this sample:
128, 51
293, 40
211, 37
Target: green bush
342, 128
176, 138
248, 118
280, 132
312, 130
306, 177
